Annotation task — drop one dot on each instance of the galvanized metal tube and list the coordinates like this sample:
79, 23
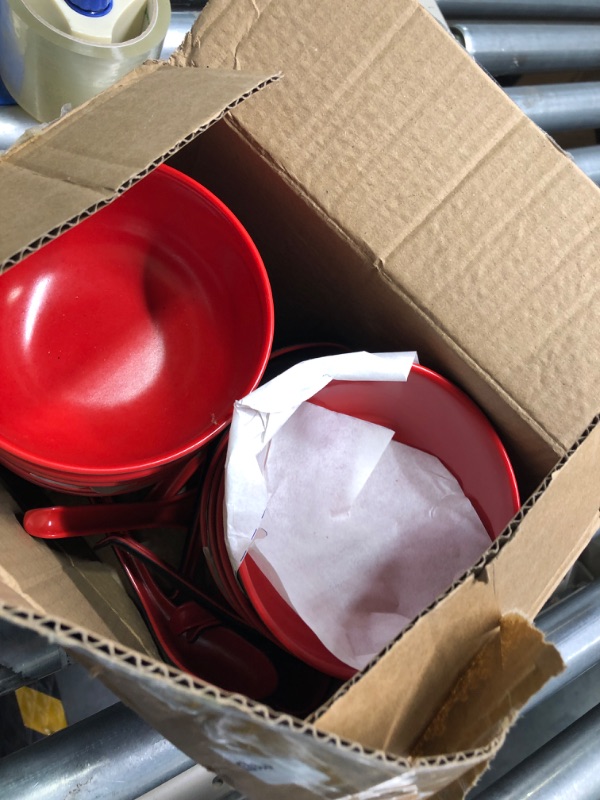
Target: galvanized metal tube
181, 23
588, 160
560, 106
26, 657
573, 627
13, 123
520, 9
567, 768
511, 48
112, 755
194, 784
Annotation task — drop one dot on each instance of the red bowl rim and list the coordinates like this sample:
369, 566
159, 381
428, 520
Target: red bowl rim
142, 466
494, 437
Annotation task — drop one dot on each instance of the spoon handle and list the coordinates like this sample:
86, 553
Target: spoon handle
65, 522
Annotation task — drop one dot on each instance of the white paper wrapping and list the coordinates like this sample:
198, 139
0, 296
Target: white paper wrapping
358, 533
258, 417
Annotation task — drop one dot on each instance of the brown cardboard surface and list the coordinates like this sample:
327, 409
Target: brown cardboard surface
556, 525
84, 159
399, 199
311, 262
390, 712
447, 189
270, 756
64, 582
514, 652
262, 754
431, 655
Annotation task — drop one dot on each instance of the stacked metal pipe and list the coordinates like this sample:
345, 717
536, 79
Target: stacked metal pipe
121, 757
515, 38
521, 9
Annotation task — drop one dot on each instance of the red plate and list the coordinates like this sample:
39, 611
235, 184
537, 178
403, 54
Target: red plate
429, 413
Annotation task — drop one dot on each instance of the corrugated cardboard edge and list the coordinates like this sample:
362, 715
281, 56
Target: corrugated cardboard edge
517, 644
440, 641
541, 523
76, 178
71, 582
179, 701
191, 52
225, 35
519, 653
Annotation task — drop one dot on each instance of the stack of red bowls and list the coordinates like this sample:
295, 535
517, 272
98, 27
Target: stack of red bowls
125, 341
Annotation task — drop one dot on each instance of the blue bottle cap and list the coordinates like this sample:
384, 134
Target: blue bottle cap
91, 8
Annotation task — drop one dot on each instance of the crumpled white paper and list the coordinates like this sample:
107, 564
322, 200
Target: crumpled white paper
258, 417
358, 533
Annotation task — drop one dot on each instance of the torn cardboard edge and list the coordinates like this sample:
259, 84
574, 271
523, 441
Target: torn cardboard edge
516, 643
70, 637
479, 571
132, 657
77, 641
253, 725
35, 165
106, 655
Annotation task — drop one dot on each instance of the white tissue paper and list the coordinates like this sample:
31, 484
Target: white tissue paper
358, 533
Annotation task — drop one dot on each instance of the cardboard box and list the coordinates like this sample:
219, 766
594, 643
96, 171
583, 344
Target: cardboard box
400, 201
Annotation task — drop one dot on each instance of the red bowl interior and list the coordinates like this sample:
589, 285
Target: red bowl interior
125, 341
429, 413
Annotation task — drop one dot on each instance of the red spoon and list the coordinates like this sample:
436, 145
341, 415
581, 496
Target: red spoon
198, 642
64, 522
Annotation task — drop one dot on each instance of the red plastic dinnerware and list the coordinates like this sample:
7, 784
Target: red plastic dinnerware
125, 341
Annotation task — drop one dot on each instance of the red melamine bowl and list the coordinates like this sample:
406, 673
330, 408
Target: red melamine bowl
431, 414
125, 341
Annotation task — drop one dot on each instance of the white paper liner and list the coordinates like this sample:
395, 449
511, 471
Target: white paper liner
357, 533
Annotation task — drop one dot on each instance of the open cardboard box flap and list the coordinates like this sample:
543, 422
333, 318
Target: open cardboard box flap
399, 199
85, 159
455, 205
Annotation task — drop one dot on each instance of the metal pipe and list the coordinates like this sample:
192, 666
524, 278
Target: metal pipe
520, 9
565, 768
559, 106
573, 627
194, 784
505, 48
588, 160
112, 755
26, 657
13, 123
181, 22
